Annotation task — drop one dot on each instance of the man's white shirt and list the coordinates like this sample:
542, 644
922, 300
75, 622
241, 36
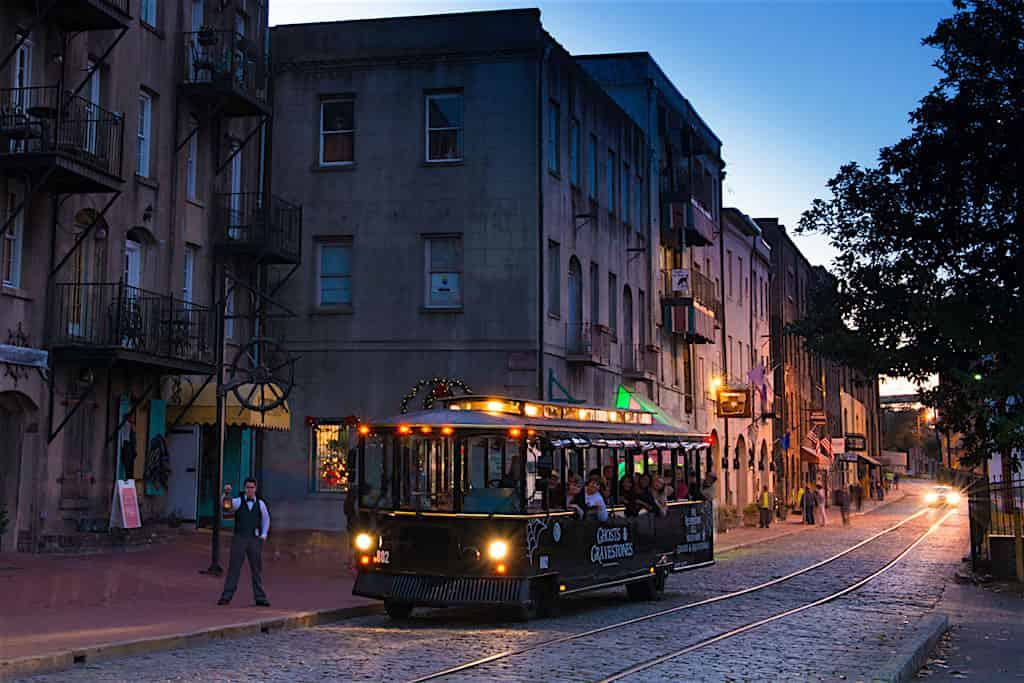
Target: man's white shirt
264, 514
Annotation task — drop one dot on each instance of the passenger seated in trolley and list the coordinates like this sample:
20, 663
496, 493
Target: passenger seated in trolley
590, 501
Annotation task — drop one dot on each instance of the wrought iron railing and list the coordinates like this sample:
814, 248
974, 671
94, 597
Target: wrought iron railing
225, 58
640, 359
259, 222
119, 5
47, 120
705, 293
118, 316
586, 340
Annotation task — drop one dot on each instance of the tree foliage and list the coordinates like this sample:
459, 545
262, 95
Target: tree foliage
931, 266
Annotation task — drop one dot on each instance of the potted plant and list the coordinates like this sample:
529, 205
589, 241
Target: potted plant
750, 514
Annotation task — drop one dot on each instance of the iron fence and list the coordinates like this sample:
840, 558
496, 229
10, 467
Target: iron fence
225, 58
46, 120
996, 510
118, 316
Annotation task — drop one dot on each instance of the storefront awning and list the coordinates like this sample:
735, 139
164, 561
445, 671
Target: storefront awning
204, 409
868, 459
809, 455
628, 400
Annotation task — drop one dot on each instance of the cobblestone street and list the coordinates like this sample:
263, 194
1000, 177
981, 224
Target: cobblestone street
848, 639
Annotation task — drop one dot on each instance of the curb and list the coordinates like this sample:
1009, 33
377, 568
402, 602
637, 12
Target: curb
903, 666
59, 661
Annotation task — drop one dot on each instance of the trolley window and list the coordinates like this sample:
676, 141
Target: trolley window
375, 472
427, 481
495, 475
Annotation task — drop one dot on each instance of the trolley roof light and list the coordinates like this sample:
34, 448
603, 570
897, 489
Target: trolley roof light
447, 431
550, 411
404, 429
364, 430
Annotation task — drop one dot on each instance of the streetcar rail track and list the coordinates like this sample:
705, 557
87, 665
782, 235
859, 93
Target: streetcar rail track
473, 664
650, 663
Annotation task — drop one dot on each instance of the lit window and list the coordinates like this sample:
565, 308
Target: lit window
329, 443
337, 131
335, 274
444, 127
443, 272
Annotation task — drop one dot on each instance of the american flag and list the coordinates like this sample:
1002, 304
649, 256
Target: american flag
817, 444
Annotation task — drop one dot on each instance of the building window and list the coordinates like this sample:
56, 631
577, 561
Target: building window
337, 131
642, 303
595, 294
144, 134
334, 274
611, 172
626, 204
229, 309
554, 279
147, 11
189, 274
613, 302
574, 153
444, 271
329, 443
192, 159
592, 167
638, 192
554, 143
11, 246
444, 127
731, 279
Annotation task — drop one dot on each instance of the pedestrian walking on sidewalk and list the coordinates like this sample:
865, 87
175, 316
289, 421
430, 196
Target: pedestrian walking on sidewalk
252, 523
896, 480
809, 501
819, 514
858, 493
764, 507
843, 501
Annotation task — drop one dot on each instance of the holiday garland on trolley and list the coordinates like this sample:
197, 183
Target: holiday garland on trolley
440, 387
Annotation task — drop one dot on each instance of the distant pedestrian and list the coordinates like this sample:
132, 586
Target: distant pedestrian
764, 508
896, 480
252, 523
843, 501
809, 501
819, 499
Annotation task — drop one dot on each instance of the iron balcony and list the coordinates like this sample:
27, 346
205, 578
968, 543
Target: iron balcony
264, 228
226, 70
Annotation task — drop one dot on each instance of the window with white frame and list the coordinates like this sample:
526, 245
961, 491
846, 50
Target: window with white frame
192, 159
229, 309
189, 274
574, 153
444, 126
554, 143
443, 271
338, 131
12, 243
144, 134
334, 273
330, 460
147, 11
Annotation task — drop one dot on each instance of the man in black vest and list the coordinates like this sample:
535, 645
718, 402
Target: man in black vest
252, 522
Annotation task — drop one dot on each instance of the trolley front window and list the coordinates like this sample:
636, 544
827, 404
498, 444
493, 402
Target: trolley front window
375, 472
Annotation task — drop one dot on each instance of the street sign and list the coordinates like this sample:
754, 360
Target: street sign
734, 402
856, 442
681, 281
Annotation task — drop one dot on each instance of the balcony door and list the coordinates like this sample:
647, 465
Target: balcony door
235, 203
575, 313
21, 80
132, 327
78, 299
92, 115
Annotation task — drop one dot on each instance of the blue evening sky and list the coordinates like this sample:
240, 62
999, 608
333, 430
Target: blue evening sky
793, 89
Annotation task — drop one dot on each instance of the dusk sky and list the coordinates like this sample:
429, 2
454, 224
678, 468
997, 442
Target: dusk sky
793, 89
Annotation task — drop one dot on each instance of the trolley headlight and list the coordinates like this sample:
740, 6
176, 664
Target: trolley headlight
497, 550
953, 498
364, 541
931, 497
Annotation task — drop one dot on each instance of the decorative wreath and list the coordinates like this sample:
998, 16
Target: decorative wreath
440, 387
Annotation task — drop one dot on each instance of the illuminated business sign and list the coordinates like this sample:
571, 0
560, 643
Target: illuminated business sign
734, 402
856, 443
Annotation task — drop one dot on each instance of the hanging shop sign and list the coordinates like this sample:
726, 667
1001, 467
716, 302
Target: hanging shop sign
734, 402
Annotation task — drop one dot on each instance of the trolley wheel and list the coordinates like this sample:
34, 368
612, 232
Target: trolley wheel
397, 610
642, 590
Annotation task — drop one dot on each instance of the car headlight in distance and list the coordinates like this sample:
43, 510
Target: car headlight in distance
364, 541
497, 550
953, 498
931, 497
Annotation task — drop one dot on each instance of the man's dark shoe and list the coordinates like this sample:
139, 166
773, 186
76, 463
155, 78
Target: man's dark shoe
223, 601
263, 603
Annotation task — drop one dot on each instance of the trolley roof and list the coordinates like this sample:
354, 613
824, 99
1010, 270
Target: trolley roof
559, 421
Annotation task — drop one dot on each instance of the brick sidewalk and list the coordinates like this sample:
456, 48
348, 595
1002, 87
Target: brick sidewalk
56, 604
